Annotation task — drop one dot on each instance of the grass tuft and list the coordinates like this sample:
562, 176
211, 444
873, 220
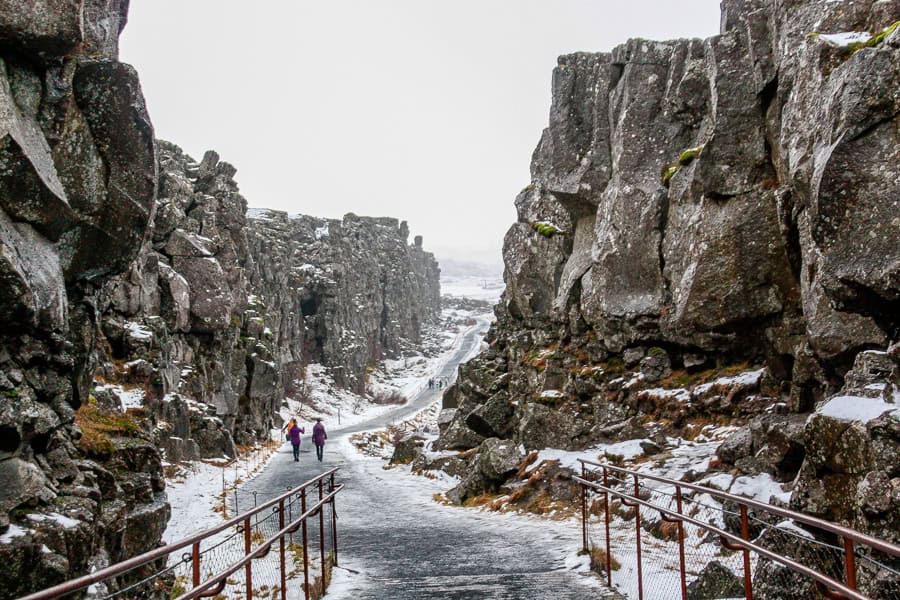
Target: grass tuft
98, 425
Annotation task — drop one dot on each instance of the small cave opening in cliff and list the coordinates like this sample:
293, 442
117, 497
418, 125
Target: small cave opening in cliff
309, 306
40, 442
9, 438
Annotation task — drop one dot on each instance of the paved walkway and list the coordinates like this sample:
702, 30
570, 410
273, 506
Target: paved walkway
396, 543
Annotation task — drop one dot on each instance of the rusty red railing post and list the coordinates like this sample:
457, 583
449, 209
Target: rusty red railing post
334, 547
281, 549
305, 545
745, 533
195, 564
606, 518
850, 563
584, 521
637, 532
681, 543
322, 534
248, 568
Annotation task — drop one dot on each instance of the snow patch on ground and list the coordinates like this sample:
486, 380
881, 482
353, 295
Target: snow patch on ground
747, 379
758, 487
129, 398
66, 522
857, 408
138, 331
13, 532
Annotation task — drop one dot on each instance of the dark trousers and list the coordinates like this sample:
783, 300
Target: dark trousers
296, 451
319, 448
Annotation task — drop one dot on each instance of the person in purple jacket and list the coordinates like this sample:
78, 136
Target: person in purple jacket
294, 433
319, 437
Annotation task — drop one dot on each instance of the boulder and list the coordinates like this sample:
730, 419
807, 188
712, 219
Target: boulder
52, 26
144, 526
451, 465
656, 365
473, 484
32, 290
185, 243
456, 435
407, 449
737, 445
111, 228
497, 459
715, 581
540, 426
493, 418
23, 483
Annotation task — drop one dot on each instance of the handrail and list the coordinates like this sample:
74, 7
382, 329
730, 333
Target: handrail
84, 581
262, 550
733, 539
882, 545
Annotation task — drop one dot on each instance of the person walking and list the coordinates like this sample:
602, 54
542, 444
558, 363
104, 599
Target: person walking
294, 433
319, 437
286, 430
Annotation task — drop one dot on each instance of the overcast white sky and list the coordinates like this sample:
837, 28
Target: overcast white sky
423, 110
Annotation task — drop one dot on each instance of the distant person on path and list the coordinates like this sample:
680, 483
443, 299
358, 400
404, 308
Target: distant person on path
440, 384
319, 437
294, 434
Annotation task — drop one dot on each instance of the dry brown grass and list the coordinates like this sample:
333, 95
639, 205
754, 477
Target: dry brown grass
98, 425
481, 500
680, 378
467, 453
598, 560
528, 461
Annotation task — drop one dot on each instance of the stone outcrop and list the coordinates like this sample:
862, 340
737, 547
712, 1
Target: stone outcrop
343, 293
220, 314
78, 185
697, 209
145, 317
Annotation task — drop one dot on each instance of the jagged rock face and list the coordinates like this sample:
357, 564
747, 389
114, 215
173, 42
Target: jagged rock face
754, 244
77, 191
182, 311
345, 294
696, 204
129, 272
850, 473
220, 314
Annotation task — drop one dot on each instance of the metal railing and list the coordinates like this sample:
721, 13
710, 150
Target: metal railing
661, 537
233, 559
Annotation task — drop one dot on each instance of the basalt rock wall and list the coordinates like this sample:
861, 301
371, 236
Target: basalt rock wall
78, 184
220, 314
695, 205
143, 317
346, 293
773, 236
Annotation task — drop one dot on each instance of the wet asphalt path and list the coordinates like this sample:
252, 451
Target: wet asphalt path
395, 542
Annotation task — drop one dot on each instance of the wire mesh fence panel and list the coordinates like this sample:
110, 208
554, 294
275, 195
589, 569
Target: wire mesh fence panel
670, 539
255, 554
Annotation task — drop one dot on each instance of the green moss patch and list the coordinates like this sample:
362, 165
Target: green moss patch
687, 156
547, 229
668, 171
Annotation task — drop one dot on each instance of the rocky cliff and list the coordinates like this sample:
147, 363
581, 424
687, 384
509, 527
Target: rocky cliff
698, 207
77, 191
145, 317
